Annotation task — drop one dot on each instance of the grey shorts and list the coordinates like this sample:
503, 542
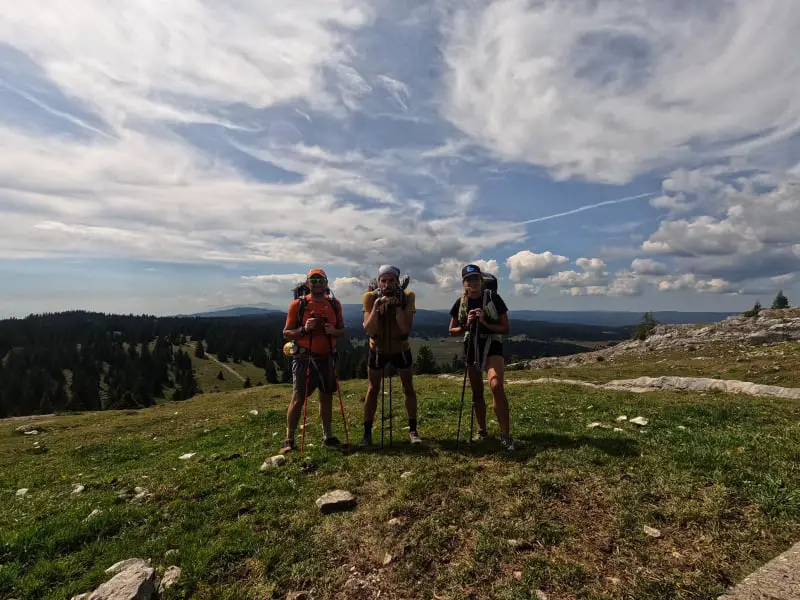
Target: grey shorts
323, 376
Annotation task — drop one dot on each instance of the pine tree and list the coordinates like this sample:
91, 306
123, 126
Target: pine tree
247, 383
221, 376
781, 301
753, 312
645, 327
199, 350
426, 363
270, 373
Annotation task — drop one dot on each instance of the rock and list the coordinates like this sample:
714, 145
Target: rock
639, 421
254, 412
22, 492
96, 512
137, 582
518, 575
619, 430
31, 432
387, 559
622, 418
171, 552
540, 595
594, 425
78, 489
336, 500
406, 475
613, 580
169, 579
187, 456
651, 531
83, 596
298, 596
276, 461
395, 522
682, 427
25, 428
120, 566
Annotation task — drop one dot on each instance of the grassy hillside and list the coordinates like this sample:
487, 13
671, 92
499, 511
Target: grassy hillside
565, 514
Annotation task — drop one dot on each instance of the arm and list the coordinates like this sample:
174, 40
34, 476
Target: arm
290, 332
502, 327
455, 327
405, 317
338, 329
371, 316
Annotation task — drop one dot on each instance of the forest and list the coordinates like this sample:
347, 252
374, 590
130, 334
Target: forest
76, 361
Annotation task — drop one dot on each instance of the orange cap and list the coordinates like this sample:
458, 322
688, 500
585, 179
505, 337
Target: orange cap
316, 272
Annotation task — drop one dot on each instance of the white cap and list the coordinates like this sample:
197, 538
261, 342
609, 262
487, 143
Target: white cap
389, 270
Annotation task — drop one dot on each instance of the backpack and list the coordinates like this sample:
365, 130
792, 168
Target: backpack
489, 290
302, 292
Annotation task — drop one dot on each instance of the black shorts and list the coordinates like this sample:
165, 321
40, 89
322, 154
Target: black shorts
323, 375
495, 349
401, 360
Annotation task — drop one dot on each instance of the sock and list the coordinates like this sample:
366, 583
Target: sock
326, 431
368, 428
412, 424
289, 436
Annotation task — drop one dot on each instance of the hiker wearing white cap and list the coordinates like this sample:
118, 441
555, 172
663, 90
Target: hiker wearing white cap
388, 318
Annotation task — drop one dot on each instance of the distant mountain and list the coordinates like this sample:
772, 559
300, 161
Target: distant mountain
238, 311
618, 318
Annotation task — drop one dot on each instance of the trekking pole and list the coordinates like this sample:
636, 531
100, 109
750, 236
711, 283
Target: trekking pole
305, 402
480, 374
341, 406
463, 390
391, 414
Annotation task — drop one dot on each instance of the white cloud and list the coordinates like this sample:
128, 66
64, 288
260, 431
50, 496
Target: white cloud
525, 289
526, 264
593, 90
272, 285
648, 266
183, 60
447, 274
349, 288
689, 281
593, 275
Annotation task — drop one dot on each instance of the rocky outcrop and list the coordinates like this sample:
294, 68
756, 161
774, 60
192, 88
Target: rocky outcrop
770, 327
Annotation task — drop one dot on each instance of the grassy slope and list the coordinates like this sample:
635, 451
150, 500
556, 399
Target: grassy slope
723, 493
771, 365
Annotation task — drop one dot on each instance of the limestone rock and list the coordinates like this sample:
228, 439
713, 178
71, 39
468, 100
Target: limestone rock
171, 576
137, 582
120, 566
337, 500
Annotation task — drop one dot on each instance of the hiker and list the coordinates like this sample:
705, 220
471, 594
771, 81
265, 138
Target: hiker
388, 317
481, 310
313, 323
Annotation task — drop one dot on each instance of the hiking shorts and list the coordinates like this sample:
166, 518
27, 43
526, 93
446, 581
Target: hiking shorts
495, 349
401, 360
323, 375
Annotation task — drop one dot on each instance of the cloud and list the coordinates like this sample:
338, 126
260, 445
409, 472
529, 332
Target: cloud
519, 75
689, 281
593, 275
526, 264
447, 274
525, 289
180, 61
349, 288
648, 266
272, 285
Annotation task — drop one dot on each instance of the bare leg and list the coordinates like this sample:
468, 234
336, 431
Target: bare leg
494, 367
326, 413
407, 381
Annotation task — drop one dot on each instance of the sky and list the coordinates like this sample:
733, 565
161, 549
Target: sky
172, 157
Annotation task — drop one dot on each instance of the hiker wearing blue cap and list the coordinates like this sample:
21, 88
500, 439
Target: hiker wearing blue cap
481, 316
388, 317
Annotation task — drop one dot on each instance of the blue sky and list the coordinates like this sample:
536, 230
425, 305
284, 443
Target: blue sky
174, 157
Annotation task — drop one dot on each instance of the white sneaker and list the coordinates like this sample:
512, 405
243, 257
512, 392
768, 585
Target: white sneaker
414, 437
507, 442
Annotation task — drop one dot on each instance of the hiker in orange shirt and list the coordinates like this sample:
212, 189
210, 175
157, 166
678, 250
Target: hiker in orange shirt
313, 323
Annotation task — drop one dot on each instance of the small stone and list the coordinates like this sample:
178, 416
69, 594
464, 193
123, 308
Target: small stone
24, 428
254, 412
298, 596
622, 418
613, 580
619, 430
682, 427
21, 492
387, 559
639, 421
171, 552
594, 425
651, 531
335, 501
123, 565
96, 512
83, 596
187, 456
518, 575
171, 575
540, 595
406, 475
276, 461
78, 489
31, 432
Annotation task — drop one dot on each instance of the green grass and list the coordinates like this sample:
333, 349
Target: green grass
723, 492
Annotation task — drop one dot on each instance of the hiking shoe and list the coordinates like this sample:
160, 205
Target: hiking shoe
413, 436
481, 436
332, 441
366, 441
507, 442
288, 446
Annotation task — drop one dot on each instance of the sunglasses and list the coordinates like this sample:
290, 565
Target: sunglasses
317, 280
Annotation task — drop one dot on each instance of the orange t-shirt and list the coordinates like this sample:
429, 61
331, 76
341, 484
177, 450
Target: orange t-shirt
322, 309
